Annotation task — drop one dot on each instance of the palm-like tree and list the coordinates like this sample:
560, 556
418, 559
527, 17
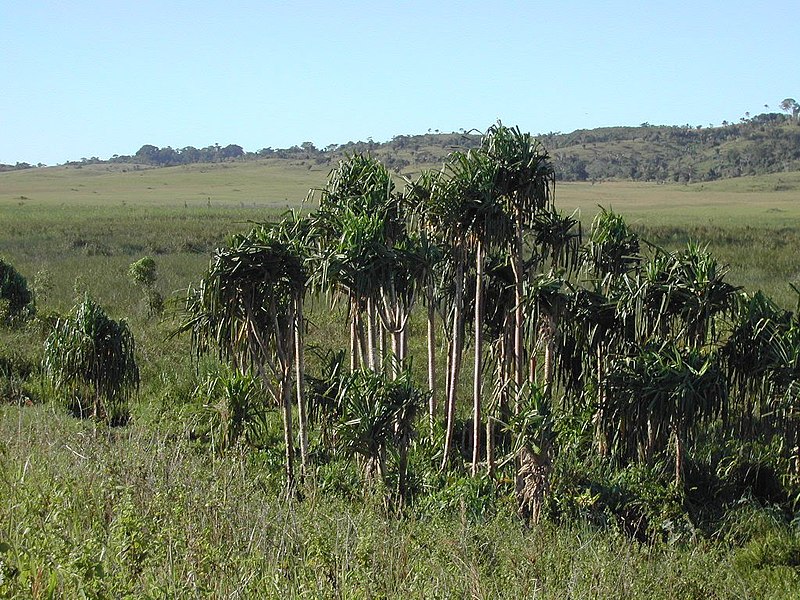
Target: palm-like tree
525, 183
673, 388
87, 348
365, 251
246, 308
377, 414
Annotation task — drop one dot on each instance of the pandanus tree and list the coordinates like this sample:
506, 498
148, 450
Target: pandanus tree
762, 359
524, 185
674, 388
611, 253
88, 351
246, 309
364, 251
467, 208
417, 199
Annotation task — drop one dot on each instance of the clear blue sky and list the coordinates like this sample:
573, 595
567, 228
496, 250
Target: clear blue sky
83, 78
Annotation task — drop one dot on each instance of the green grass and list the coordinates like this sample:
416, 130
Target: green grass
140, 512
148, 511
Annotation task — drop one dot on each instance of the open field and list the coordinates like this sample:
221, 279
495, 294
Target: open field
151, 510
91, 214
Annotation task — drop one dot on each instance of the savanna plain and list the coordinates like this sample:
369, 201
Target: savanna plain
157, 506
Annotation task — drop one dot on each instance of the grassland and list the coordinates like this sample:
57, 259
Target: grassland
99, 216
148, 511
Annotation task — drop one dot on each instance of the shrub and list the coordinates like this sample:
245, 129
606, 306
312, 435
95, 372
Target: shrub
16, 300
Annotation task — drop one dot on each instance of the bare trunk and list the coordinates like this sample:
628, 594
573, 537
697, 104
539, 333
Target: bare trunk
299, 362
519, 358
381, 346
490, 466
549, 351
679, 452
431, 359
288, 437
602, 444
477, 381
455, 364
362, 340
353, 335
370, 335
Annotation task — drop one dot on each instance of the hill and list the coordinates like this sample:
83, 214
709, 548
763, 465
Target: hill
766, 143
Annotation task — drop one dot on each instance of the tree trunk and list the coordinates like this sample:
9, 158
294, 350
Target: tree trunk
477, 381
490, 466
519, 358
602, 444
353, 335
455, 363
370, 334
431, 359
299, 362
288, 437
679, 452
549, 351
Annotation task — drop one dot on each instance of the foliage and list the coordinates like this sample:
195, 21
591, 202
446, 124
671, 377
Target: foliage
16, 300
143, 273
87, 348
633, 355
236, 407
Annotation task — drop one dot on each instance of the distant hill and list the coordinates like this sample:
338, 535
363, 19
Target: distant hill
766, 143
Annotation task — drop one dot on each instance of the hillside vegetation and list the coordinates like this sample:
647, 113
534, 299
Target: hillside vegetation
765, 143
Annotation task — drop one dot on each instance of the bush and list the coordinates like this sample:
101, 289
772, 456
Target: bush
16, 300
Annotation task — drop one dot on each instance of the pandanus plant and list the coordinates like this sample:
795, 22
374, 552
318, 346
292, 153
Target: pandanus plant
525, 187
467, 208
364, 251
246, 309
375, 415
16, 300
672, 389
87, 349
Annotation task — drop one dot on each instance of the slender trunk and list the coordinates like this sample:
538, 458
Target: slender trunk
362, 340
299, 363
284, 346
679, 452
518, 314
477, 381
602, 446
490, 466
370, 334
381, 346
431, 359
549, 351
401, 363
288, 437
455, 363
402, 467
353, 335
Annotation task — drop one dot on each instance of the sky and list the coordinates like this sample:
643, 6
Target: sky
80, 79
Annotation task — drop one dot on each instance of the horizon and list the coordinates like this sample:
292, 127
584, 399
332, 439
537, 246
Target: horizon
96, 80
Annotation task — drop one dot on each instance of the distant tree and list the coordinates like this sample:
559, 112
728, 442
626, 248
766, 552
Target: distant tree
143, 273
147, 153
790, 105
231, 151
